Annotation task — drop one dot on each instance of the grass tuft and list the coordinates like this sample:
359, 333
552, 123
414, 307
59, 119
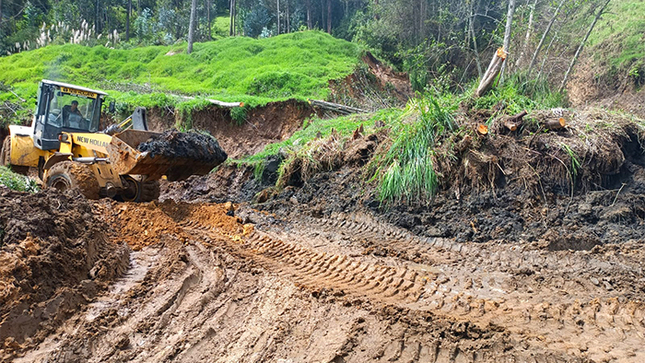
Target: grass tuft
406, 170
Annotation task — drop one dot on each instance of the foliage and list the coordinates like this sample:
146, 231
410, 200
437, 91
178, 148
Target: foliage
619, 33
17, 182
255, 21
518, 94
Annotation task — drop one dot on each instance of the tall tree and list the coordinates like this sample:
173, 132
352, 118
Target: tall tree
208, 20
127, 20
232, 15
582, 44
544, 35
97, 26
507, 34
308, 6
329, 16
191, 26
278, 14
527, 38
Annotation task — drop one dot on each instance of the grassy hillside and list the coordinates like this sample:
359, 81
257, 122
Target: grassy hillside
236, 69
619, 37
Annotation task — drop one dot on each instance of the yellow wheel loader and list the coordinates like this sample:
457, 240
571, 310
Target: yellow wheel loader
65, 145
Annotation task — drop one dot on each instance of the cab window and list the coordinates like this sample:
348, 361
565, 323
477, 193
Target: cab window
73, 112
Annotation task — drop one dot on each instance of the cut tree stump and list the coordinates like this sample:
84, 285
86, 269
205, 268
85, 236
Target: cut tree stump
513, 122
482, 129
555, 124
491, 73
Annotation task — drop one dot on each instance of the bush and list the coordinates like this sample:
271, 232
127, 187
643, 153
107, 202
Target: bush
17, 182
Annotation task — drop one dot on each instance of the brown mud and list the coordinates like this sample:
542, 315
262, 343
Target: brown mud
594, 84
229, 283
54, 258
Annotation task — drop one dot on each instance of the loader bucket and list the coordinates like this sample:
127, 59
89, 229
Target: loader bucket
174, 154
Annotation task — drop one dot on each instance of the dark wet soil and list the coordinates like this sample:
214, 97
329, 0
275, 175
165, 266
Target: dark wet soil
190, 145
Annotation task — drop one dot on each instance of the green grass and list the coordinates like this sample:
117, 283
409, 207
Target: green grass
619, 36
518, 94
255, 71
17, 182
406, 171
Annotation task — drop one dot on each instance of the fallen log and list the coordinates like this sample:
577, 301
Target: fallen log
491, 73
216, 102
555, 124
330, 106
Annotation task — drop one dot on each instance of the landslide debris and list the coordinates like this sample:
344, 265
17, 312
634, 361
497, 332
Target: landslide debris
54, 258
573, 188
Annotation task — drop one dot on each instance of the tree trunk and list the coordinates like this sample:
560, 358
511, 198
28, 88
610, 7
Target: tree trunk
308, 5
546, 55
288, 30
541, 43
582, 44
127, 20
322, 14
97, 28
231, 30
471, 28
507, 34
492, 72
208, 17
527, 38
329, 16
191, 26
278, 13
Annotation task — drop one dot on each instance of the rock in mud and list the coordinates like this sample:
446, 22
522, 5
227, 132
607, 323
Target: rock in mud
189, 145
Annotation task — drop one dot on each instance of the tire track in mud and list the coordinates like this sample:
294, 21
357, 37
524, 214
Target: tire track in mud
618, 323
315, 270
470, 294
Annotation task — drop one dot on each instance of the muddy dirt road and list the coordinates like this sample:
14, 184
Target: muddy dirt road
227, 283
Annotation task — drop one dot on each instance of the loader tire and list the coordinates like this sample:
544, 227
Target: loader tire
150, 190
136, 191
5, 158
67, 175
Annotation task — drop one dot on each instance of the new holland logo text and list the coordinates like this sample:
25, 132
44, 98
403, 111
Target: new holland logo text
95, 142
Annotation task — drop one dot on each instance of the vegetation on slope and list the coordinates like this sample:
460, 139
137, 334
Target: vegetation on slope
404, 168
619, 38
296, 65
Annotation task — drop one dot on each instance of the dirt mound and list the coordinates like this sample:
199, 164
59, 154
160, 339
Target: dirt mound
189, 145
54, 257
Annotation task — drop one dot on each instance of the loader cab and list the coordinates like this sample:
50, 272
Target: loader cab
64, 107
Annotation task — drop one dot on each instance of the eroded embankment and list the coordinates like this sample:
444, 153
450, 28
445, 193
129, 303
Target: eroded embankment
259, 126
54, 258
